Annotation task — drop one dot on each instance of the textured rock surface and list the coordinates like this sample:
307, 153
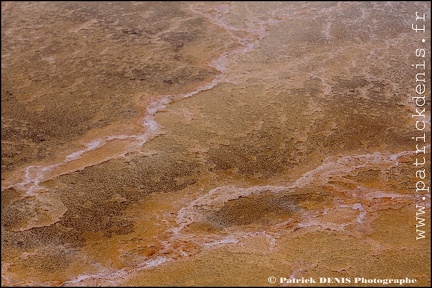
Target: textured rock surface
216, 143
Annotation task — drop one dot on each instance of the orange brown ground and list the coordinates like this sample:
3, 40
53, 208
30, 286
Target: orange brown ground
216, 143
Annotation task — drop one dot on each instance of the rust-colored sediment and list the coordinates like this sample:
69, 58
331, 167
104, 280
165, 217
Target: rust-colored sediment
216, 143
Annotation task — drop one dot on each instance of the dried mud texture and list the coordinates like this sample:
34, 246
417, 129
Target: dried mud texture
217, 143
